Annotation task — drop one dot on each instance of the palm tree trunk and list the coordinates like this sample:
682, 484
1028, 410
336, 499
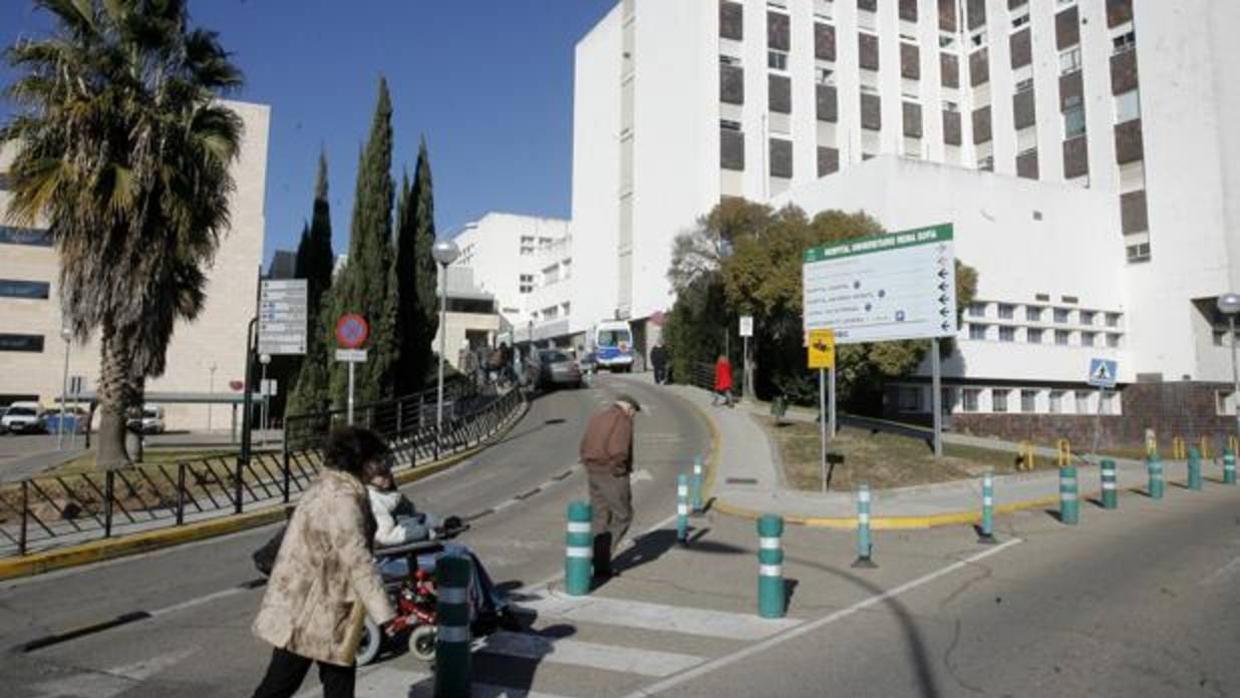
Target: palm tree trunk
116, 394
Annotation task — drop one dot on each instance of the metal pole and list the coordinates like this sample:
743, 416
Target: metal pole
1235, 373
443, 343
822, 425
247, 398
349, 415
831, 416
1102, 396
64, 388
936, 400
262, 432
211, 389
747, 393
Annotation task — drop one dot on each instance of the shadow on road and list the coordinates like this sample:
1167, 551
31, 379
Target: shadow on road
517, 435
651, 546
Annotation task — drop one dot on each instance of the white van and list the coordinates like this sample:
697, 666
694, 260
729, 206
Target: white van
23, 418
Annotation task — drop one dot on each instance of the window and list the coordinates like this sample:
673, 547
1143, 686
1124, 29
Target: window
1088, 338
1073, 118
1024, 85
998, 400
1124, 42
1007, 334
1070, 60
1022, 20
971, 397
1223, 404
1033, 313
527, 283
10, 288
729, 60
1061, 337
1007, 311
1082, 402
1127, 107
777, 60
25, 236
977, 310
1112, 319
1055, 402
1033, 336
977, 331
566, 308
1029, 401
1061, 315
950, 107
910, 399
1138, 253
1087, 317
527, 244
21, 342
978, 38
1113, 341
826, 76
947, 40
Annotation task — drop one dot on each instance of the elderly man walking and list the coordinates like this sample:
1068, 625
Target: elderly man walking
607, 453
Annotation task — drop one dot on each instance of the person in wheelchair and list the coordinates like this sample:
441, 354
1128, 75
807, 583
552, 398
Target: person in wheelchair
402, 534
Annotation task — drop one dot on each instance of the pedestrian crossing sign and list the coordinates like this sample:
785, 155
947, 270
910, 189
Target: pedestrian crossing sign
821, 349
1103, 373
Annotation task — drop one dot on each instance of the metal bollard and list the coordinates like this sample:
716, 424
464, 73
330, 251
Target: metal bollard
865, 547
770, 567
1069, 505
987, 535
1154, 464
452, 639
1110, 497
1229, 466
579, 550
1194, 469
682, 509
698, 504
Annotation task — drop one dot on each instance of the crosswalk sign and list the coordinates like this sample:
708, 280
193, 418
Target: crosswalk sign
821, 349
1103, 373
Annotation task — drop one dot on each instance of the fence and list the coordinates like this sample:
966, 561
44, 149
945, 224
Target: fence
51, 511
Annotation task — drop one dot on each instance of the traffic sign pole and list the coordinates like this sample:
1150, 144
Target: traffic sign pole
350, 413
822, 425
936, 399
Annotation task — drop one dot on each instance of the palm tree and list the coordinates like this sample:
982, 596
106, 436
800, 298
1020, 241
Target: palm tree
124, 149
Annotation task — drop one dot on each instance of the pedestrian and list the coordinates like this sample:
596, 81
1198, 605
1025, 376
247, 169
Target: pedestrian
324, 581
607, 454
723, 381
658, 359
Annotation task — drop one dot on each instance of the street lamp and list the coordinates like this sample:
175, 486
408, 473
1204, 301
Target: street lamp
211, 389
66, 333
1229, 305
445, 252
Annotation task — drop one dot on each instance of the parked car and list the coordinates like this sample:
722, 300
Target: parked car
550, 368
23, 418
149, 421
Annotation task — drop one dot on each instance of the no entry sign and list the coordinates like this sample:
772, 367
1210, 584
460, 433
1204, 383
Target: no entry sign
352, 331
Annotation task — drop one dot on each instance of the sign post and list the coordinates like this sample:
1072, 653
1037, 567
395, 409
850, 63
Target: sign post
746, 333
352, 332
1102, 375
888, 287
822, 357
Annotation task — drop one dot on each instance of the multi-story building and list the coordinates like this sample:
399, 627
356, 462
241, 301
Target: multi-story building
679, 104
205, 356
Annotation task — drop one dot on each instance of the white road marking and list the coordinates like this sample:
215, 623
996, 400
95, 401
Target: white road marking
199, 601
740, 655
1222, 572
625, 660
658, 617
114, 681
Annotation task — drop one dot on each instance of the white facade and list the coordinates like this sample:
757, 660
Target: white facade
1116, 124
520, 260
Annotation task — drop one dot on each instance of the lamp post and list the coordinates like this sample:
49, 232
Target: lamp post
264, 360
445, 252
211, 389
1229, 305
66, 334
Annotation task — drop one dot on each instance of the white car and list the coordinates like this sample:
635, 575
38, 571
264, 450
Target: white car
23, 418
151, 421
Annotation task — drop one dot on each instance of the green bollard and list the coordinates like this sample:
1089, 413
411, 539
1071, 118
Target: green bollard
1194, 469
579, 550
1229, 467
865, 546
1153, 463
452, 638
987, 535
1110, 497
682, 509
698, 505
1069, 505
770, 567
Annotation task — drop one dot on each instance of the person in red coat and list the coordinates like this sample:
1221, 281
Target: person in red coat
723, 381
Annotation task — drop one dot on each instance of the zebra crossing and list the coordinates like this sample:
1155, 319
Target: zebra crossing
617, 645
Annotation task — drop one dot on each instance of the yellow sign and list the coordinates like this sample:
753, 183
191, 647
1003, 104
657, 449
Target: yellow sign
821, 349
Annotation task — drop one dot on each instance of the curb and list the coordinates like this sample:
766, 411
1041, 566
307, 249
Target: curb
133, 544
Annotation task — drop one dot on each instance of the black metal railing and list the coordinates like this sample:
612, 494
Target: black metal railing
49, 511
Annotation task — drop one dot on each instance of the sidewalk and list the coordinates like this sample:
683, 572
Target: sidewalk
748, 481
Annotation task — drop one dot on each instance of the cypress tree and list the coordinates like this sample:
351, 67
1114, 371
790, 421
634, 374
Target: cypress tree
363, 284
315, 263
423, 314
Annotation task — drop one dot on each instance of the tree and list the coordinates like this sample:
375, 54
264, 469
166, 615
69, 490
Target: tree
316, 261
423, 312
363, 283
123, 146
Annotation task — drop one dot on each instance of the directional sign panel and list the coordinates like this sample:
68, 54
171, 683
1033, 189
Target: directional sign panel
1103, 372
885, 287
282, 315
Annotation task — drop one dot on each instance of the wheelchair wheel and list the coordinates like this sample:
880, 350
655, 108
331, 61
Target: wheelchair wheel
371, 642
422, 642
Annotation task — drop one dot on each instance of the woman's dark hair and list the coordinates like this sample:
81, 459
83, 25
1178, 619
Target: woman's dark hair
349, 449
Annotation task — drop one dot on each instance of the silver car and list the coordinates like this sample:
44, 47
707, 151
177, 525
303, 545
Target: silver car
552, 368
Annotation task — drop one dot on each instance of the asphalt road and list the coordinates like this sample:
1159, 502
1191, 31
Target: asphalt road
198, 642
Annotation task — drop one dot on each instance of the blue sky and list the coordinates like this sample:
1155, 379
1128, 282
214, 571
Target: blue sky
489, 83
